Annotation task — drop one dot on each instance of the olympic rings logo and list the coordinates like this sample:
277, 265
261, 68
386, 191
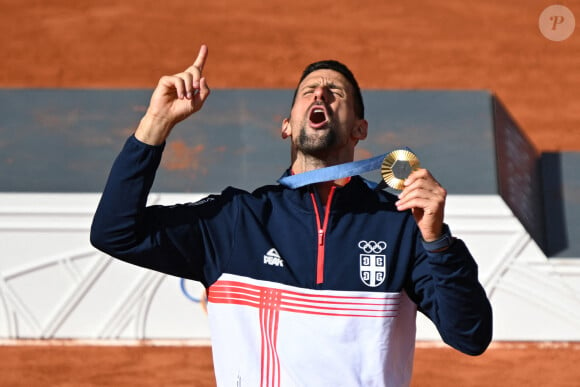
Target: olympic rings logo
372, 246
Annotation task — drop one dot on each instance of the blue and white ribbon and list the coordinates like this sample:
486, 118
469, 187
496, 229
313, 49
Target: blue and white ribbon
333, 173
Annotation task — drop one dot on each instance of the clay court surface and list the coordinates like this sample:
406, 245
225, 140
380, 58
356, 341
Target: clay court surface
505, 364
446, 44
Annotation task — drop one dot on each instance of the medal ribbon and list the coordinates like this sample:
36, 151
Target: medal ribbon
334, 172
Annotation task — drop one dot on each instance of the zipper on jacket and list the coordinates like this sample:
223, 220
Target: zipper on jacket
321, 226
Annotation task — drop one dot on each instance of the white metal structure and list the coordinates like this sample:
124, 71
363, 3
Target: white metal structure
55, 285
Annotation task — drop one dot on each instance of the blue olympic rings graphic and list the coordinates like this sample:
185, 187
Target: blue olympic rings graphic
187, 294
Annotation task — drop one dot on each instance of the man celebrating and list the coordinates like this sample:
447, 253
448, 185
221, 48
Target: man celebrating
311, 286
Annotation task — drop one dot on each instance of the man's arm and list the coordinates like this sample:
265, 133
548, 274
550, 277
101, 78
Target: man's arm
446, 288
444, 282
125, 228
160, 238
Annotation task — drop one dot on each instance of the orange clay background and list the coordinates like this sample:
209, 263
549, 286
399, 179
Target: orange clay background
437, 44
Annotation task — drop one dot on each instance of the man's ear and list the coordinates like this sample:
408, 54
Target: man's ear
286, 130
360, 130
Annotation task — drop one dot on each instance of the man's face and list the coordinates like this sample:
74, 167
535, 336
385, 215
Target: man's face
323, 118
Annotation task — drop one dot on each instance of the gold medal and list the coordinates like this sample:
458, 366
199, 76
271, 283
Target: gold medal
397, 166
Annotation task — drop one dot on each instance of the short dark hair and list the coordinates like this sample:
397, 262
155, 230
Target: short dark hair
359, 107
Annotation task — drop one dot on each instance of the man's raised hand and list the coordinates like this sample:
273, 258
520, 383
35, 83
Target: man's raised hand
175, 98
425, 197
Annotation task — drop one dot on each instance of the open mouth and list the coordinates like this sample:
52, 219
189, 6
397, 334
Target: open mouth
318, 117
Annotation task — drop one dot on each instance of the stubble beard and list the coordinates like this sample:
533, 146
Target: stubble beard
317, 145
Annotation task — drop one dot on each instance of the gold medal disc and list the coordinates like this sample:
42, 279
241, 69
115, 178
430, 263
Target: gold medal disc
397, 166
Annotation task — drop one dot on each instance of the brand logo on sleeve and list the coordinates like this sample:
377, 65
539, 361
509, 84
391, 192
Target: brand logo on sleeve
373, 264
272, 258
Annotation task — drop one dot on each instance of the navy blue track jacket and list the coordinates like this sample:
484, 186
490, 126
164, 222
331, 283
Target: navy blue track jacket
298, 294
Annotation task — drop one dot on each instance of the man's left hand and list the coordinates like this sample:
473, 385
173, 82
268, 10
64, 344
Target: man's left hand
425, 197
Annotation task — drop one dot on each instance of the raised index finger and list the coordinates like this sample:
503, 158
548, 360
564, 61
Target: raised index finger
201, 57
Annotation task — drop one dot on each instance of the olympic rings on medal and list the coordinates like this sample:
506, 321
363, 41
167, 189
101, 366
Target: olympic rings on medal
372, 246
